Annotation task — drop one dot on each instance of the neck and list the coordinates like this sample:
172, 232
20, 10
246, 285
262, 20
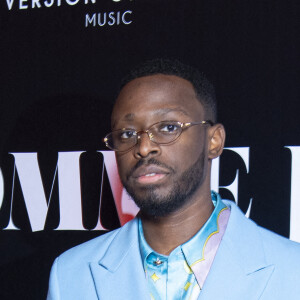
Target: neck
178, 227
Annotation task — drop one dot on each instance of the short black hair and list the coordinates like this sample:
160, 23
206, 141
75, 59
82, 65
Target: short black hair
204, 89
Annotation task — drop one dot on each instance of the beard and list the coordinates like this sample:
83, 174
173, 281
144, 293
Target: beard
153, 204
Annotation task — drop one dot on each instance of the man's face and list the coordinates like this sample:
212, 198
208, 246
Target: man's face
161, 178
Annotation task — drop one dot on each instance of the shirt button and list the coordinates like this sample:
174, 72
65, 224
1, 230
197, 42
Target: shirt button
158, 262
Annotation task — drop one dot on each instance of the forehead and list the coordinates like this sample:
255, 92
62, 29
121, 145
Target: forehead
154, 97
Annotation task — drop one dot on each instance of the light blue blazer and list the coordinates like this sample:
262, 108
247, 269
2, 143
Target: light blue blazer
251, 263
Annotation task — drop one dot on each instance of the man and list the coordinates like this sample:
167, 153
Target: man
186, 243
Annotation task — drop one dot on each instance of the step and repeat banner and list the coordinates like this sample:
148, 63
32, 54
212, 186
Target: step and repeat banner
61, 64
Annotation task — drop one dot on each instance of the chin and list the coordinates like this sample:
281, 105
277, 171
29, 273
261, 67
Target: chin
153, 205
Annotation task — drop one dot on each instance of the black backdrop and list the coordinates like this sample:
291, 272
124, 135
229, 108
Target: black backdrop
59, 75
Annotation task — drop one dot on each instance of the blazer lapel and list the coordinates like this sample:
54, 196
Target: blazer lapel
119, 274
240, 269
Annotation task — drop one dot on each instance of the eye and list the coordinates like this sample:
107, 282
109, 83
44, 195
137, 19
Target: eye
127, 134
169, 128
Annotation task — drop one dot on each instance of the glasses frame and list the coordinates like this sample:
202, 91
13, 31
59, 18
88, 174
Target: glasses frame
183, 126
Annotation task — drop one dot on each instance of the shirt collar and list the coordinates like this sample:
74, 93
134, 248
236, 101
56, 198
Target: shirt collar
198, 241
146, 250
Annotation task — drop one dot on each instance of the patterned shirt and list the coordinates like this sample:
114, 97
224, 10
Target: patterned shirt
182, 273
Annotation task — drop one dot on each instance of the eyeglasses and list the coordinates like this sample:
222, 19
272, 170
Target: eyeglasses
161, 133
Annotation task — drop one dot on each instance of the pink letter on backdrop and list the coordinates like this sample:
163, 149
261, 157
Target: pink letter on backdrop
126, 208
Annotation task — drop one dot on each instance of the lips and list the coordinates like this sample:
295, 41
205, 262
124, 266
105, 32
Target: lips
149, 174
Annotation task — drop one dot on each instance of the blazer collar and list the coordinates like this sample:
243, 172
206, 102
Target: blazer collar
240, 267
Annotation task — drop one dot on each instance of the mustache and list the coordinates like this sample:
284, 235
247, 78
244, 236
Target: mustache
147, 162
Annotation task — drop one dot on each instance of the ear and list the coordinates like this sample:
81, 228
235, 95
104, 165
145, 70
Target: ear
216, 135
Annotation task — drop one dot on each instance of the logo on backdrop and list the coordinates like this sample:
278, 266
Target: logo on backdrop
32, 4
97, 19
27, 169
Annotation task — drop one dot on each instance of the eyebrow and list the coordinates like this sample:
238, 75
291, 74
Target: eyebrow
131, 116
161, 111
168, 110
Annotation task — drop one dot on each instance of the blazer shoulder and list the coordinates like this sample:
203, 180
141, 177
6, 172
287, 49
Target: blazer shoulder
95, 249
279, 246
246, 233
88, 251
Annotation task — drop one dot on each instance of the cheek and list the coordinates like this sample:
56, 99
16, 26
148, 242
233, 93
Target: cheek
197, 144
188, 154
125, 163
182, 156
192, 145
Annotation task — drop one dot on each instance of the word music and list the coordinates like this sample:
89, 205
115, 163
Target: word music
67, 172
111, 18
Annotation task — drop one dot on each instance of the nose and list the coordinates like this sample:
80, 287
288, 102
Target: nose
145, 147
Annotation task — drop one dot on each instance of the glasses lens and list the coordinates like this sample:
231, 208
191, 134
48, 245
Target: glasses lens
121, 140
165, 132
